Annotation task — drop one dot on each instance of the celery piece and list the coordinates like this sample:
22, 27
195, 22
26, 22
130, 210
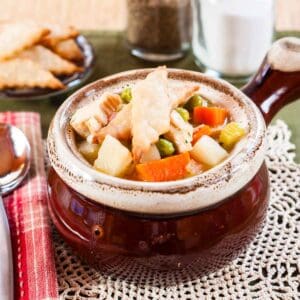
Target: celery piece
231, 134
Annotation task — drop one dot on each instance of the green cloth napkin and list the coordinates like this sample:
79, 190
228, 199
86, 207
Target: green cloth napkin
113, 57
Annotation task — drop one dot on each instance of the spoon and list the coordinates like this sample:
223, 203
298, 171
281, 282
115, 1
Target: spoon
14, 165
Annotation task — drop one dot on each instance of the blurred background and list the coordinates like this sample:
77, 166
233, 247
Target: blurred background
111, 14
102, 22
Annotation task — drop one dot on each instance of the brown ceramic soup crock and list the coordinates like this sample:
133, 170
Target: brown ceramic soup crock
206, 219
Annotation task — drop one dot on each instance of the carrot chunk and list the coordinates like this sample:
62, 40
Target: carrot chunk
203, 130
212, 116
166, 169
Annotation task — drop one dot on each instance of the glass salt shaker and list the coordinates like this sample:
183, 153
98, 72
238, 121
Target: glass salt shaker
231, 37
159, 30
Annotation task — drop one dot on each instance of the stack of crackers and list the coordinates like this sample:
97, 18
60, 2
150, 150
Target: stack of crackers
34, 55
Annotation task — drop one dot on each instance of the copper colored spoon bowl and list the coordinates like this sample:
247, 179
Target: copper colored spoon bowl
14, 166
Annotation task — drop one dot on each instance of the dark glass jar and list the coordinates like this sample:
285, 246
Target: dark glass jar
159, 30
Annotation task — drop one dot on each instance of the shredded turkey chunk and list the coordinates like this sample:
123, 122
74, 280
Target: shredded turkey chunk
89, 119
119, 127
180, 133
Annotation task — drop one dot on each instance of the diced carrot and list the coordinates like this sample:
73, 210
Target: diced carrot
166, 169
202, 130
212, 116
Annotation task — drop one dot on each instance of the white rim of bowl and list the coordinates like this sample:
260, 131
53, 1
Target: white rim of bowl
162, 198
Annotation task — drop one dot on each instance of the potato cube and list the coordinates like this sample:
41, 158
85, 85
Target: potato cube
113, 157
89, 151
150, 155
208, 151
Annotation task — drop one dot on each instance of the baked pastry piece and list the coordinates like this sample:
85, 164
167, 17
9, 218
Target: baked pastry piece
69, 50
24, 73
16, 36
49, 60
59, 33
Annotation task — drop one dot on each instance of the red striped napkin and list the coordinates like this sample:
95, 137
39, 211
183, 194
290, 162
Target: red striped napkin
34, 267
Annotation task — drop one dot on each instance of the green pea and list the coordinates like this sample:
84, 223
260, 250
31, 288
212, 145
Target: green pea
126, 95
165, 147
194, 101
183, 113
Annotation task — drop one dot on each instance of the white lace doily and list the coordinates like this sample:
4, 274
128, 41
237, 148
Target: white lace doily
269, 269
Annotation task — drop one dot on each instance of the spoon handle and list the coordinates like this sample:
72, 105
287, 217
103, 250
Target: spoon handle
6, 265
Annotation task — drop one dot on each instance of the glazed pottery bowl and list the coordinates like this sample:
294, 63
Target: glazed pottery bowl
206, 219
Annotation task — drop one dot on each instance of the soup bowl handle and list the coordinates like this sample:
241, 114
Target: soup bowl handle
277, 82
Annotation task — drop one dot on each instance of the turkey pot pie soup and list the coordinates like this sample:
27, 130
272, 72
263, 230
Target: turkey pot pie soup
156, 130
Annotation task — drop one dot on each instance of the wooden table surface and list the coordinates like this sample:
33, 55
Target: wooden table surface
111, 14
